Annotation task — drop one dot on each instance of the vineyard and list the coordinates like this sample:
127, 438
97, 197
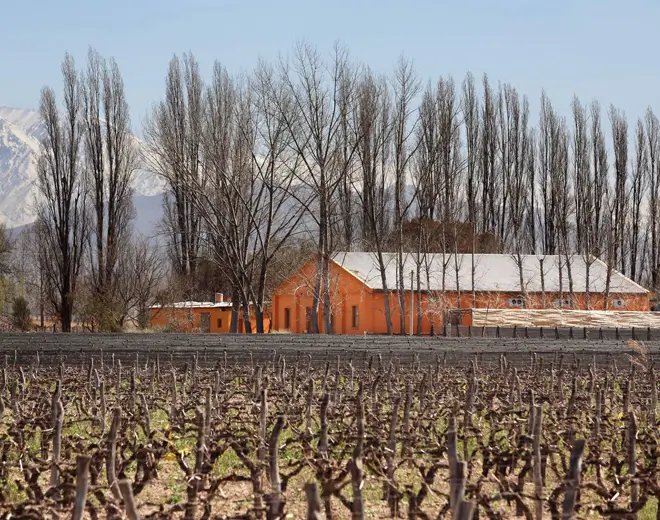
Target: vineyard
329, 432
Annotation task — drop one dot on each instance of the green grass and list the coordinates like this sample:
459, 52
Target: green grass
650, 511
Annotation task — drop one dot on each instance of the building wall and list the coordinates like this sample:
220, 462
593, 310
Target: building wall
189, 320
347, 292
295, 297
631, 302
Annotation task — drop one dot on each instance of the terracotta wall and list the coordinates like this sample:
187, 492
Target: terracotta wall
631, 302
348, 292
188, 320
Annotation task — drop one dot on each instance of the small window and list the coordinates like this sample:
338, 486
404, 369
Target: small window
219, 323
356, 317
618, 304
564, 304
515, 302
287, 318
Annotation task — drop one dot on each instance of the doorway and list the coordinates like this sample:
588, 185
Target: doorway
205, 322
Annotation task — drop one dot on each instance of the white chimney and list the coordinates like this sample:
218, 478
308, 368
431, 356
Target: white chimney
219, 297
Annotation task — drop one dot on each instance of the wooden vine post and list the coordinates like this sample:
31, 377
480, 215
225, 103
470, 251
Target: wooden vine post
573, 479
355, 464
82, 485
276, 500
111, 461
537, 463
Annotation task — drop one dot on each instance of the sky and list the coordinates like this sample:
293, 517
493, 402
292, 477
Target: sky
595, 49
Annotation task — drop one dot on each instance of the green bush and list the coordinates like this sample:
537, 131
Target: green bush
21, 318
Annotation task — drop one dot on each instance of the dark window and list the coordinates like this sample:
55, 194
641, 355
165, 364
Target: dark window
356, 318
287, 318
219, 323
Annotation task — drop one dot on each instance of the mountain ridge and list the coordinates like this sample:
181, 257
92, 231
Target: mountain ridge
21, 132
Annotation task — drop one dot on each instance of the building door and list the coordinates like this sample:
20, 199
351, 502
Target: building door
205, 322
455, 318
308, 320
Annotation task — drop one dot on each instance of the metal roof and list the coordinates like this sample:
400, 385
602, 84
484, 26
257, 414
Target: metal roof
492, 273
193, 305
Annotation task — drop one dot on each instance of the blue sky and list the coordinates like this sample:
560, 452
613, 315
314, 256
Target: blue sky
603, 49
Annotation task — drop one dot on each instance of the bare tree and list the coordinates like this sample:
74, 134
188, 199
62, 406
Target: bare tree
142, 272
5, 250
249, 214
562, 194
373, 128
532, 190
514, 152
344, 219
62, 212
581, 177
23, 264
470, 107
583, 181
312, 104
110, 160
639, 180
174, 151
652, 126
490, 187
447, 170
548, 130
599, 179
277, 215
621, 197
405, 88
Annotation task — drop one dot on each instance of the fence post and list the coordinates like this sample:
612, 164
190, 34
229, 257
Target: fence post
634, 334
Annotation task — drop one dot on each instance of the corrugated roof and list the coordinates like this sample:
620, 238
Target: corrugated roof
193, 305
493, 273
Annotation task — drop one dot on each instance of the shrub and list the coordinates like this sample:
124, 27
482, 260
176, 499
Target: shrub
21, 318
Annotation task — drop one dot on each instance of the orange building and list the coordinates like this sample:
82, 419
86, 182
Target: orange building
446, 287
213, 317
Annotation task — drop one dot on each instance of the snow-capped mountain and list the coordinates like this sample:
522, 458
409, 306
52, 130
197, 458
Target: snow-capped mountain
21, 132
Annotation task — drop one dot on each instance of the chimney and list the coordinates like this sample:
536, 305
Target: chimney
219, 297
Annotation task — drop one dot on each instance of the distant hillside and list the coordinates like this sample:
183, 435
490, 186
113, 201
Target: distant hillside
21, 132
149, 213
